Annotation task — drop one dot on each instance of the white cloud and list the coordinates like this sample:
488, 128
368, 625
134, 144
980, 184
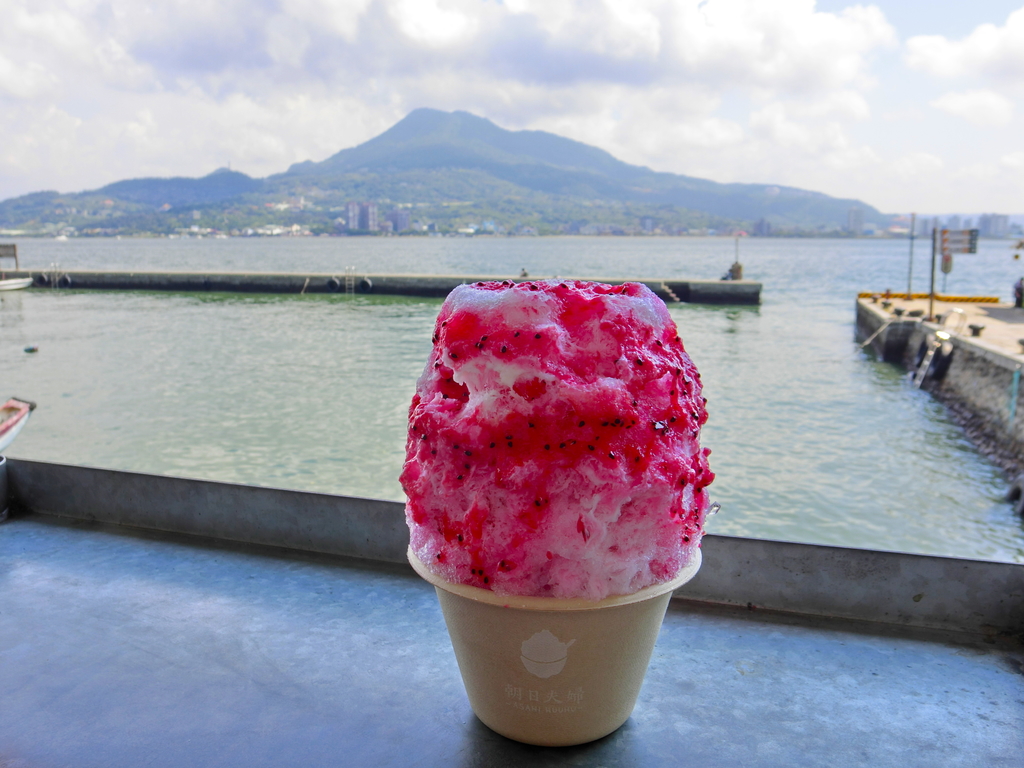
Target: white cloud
1014, 161
287, 40
989, 50
340, 17
425, 21
737, 90
780, 45
838, 105
917, 164
637, 30
621, 29
984, 108
26, 81
825, 142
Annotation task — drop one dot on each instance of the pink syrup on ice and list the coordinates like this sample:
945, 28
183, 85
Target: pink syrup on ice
553, 444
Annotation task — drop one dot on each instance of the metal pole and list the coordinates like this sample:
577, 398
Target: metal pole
910, 269
931, 291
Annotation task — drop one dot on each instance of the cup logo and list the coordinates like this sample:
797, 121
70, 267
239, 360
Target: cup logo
544, 655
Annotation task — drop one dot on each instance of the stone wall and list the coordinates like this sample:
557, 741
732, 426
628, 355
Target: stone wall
977, 386
891, 342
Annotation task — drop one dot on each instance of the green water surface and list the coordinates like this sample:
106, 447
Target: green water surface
813, 440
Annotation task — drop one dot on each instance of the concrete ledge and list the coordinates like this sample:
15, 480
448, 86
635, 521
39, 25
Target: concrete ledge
890, 343
316, 522
431, 286
867, 585
894, 588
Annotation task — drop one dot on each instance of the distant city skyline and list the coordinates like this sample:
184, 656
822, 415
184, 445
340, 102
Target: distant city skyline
908, 106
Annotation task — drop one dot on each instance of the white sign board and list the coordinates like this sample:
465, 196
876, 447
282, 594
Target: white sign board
958, 241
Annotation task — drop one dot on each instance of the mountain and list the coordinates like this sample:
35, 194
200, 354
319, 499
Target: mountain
453, 168
429, 138
551, 164
222, 184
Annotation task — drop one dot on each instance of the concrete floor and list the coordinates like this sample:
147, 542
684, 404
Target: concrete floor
143, 649
1004, 323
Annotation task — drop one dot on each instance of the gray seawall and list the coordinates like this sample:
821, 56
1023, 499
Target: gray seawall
978, 385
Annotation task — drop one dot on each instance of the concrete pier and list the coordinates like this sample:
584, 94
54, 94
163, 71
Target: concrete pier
978, 376
670, 290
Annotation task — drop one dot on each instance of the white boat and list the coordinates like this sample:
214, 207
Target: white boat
14, 283
13, 417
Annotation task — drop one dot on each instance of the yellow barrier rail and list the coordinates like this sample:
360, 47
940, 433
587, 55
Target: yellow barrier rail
938, 297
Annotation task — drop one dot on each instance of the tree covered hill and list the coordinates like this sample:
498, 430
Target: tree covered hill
452, 169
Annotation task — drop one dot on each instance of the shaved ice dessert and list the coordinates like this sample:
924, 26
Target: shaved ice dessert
553, 445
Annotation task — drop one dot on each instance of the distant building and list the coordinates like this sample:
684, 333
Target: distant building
925, 226
368, 217
647, 224
762, 228
400, 219
993, 225
953, 222
855, 221
352, 215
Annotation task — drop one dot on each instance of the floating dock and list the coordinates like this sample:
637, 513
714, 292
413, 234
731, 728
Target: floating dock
146, 621
670, 290
975, 367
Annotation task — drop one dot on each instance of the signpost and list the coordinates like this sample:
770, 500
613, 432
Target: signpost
959, 241
947, 242
910, 268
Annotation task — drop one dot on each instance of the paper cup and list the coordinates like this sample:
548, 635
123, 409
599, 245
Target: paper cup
549, 671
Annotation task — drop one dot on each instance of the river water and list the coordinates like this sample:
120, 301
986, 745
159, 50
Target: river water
813, 440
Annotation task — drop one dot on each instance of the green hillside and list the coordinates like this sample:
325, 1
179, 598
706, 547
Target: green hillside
450, 170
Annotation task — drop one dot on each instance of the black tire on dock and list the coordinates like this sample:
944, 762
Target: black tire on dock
940, 363
365, 285
64, 281
42, 280
333, 285
1016, 495
921, 352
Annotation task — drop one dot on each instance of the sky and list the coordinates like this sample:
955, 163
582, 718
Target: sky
907, 105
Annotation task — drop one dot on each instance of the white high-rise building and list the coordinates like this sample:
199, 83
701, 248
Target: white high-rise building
855, 221
993, 225
399, 219
368, 217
